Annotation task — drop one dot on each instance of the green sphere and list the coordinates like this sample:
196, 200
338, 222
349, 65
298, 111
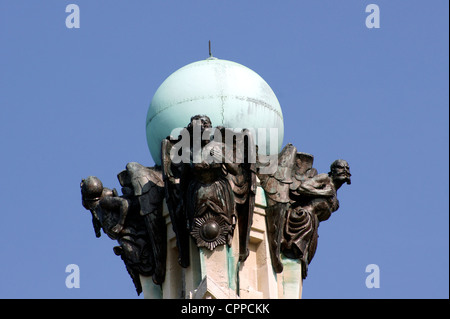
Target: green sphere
230, 94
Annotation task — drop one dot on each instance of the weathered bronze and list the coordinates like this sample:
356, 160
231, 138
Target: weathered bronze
297, 200
119, 218
134, 219
276, 187
208, 180
146, 185
313, 200
211, 189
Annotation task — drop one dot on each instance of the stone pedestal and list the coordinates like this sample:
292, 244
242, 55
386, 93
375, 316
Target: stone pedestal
218, 274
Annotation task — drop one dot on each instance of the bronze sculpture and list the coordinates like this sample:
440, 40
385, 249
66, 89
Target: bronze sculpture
146, 185
208, 179
313, 200
119, 218
211, 189
276, 187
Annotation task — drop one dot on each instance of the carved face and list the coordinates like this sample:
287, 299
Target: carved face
203, 123
340, 171
203, 120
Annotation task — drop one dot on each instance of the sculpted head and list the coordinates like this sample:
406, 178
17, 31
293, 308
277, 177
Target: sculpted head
202, 120
91, 191
340, 171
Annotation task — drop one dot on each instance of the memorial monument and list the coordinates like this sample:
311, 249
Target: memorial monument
226, 212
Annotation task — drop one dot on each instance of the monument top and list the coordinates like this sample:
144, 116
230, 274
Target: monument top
229, 93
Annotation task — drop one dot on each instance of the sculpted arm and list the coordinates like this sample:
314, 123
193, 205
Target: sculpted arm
111, 203
319, 185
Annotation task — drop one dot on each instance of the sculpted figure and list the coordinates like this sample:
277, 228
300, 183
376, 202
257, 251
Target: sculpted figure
243, 183
146, 185
313, 200
208, 179
118, 217
276, 187
210, 201
203, 188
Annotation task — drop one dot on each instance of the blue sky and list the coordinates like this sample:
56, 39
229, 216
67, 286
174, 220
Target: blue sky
73, 103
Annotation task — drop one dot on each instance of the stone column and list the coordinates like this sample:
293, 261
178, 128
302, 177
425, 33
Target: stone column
218, 274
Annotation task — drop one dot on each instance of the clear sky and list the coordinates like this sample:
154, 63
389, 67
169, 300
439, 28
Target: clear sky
73, 103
